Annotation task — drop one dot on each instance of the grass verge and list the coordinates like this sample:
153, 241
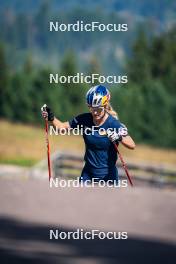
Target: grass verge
25, 145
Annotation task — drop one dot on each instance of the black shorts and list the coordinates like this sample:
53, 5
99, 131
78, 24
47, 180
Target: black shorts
87, 175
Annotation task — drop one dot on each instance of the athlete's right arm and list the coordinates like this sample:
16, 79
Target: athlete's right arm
48, 114
59, 124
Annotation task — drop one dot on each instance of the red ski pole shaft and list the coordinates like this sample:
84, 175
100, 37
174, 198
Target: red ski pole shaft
48, 149
124, 165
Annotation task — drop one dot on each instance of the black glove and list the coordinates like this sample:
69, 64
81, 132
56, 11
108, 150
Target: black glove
117, 136
47, 113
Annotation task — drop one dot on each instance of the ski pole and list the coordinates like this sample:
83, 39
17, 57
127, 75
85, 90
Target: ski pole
48, 148
123, 164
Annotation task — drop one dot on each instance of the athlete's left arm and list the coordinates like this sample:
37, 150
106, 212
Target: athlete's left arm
121, 135
128, 142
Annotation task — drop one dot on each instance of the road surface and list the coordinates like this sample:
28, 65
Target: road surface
29, 209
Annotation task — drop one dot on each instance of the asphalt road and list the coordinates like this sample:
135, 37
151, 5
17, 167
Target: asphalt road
29, 209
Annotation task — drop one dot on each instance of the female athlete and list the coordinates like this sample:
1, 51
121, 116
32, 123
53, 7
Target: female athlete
101, 130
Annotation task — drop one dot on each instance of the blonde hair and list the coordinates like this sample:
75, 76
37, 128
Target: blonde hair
110, 110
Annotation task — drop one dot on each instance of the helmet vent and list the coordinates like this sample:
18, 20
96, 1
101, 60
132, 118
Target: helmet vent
99, 100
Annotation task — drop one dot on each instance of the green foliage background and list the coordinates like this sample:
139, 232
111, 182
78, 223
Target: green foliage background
146, 104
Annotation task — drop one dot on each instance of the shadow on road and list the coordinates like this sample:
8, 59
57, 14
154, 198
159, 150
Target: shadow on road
29, 243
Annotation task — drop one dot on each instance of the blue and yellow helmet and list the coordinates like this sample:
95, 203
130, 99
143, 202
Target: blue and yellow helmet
98, 96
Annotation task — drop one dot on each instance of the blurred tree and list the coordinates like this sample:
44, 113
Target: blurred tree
151, 90
5, 92
138, 67
72, 100
43, 93
42, 22
163, 53
21, 102
93, 67
156, 115
28, 65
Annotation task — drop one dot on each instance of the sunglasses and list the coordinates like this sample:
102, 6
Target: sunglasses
96, 109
